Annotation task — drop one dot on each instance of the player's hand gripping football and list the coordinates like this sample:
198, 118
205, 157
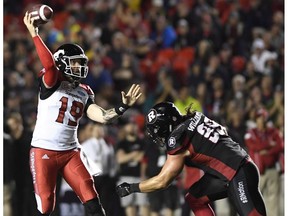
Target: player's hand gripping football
132, 95
123, 189
29, 24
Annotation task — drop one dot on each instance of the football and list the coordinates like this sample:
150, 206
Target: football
42, 14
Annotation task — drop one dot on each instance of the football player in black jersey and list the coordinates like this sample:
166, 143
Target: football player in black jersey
195, 140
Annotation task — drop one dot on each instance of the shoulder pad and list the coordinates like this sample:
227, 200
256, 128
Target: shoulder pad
87, 89
178, 130
175, 141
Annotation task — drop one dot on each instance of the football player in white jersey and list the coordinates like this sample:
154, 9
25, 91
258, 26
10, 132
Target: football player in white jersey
62, 102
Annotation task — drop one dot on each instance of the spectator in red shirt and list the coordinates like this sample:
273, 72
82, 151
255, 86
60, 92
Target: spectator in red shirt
265, 145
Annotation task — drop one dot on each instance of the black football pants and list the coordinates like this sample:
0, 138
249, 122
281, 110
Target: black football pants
243, 190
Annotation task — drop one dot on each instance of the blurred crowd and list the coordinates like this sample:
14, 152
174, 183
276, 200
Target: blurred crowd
224, 56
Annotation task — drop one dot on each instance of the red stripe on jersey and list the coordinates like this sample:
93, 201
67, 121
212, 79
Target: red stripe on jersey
191, 150
172, 152
87, 89
214, 164
222, 168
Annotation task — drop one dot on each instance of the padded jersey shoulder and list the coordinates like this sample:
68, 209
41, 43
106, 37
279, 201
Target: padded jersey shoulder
183, 133
46, 92
91, 96
87, 89
175, 142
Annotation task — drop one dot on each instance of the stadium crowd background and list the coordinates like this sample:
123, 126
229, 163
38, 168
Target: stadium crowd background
225, 56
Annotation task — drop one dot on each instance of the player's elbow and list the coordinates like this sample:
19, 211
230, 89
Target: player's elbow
94, 114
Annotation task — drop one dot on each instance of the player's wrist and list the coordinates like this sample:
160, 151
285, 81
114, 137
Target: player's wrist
120, 109
134, 188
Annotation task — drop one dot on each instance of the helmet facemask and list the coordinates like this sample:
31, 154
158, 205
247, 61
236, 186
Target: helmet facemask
154, 134
80, 70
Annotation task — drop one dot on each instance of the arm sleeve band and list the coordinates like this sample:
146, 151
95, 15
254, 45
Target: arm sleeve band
135, 188
121, 108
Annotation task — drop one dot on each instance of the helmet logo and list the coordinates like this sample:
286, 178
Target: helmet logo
172, 142
152, 116
58, 54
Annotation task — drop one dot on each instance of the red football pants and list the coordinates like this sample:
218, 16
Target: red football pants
45, 166
200, 206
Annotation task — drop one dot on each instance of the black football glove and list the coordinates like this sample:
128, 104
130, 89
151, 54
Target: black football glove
125, 189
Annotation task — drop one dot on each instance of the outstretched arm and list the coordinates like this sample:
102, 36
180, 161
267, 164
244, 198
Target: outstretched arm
171, 169
51, 73
101, 115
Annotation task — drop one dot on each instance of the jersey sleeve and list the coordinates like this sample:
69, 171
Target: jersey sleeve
44, 91
89, 102
177, 141
91, 96
50, 76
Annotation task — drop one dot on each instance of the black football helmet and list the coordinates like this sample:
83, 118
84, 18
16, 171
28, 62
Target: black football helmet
161, 120
63, 56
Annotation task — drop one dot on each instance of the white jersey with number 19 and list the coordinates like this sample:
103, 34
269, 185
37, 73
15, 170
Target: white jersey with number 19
58, 117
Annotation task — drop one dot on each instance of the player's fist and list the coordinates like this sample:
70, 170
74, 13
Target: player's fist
123, 189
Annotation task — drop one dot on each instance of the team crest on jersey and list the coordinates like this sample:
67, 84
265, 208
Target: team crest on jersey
172, 142
151, 116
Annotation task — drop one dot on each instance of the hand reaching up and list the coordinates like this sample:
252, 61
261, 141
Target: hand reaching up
132, 95
28, 21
